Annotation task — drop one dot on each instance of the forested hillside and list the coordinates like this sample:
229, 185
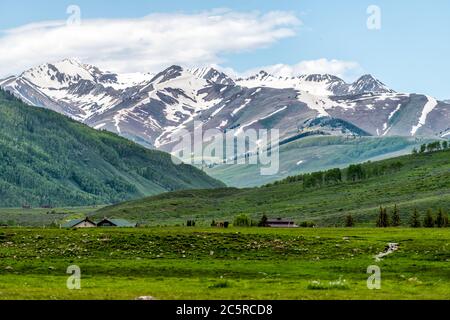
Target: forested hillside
46, 159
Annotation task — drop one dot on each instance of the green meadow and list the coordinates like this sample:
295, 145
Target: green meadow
233, 263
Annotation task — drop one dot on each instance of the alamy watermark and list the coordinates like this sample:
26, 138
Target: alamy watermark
74, 13
237, 146
74, 280
374, 19
374, 280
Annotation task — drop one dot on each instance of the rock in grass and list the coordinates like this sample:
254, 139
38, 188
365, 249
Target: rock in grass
145, 298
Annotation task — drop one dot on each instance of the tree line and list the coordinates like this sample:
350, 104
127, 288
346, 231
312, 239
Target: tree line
384, 219
355, 172
431, 147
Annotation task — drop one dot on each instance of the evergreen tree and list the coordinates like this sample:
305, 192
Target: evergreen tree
263, 221
428, 221
423, 148
415, 219
396, 217
383, 218
349, 222
386, 218
441, 219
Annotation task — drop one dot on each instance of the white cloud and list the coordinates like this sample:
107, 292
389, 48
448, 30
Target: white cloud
146, 44
344, 69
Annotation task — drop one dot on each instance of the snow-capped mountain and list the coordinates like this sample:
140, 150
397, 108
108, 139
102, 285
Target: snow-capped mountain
316, 84
150, 108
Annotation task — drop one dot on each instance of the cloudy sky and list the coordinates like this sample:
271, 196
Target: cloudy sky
403, 43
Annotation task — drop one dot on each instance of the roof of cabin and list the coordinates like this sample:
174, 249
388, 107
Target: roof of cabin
73, 223
118, 222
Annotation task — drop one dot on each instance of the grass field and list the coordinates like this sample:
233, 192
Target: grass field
234, 263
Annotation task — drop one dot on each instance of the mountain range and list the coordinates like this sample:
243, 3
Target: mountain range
149, 108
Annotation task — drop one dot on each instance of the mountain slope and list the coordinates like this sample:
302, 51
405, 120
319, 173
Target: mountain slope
313, 153
48, 159
415, 181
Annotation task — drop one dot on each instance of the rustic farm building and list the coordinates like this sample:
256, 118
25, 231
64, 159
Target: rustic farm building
281, 223
120, 223
80, 223
88, 223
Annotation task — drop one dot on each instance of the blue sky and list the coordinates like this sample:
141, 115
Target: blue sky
409, 53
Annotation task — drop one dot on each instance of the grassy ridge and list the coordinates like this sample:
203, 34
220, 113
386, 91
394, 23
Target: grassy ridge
47, 158
420, 181
197, 263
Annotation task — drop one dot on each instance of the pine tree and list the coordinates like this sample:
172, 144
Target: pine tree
415, 219
428, 221
349, 222
387, 222
396, 217
380, 218
440, 219
263, 221
383, 218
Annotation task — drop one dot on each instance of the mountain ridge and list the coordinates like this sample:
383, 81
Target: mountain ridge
150, 108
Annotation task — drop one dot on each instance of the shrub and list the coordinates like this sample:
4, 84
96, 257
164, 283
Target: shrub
349, 222
332, 285
263, 221
221, 284
190, 223
307, 224
242, 220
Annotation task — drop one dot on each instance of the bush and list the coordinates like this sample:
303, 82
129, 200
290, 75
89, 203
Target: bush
307, 224
349, 222
263, 221
242, 220
190, 223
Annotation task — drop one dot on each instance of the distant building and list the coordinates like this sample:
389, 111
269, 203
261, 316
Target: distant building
118, 223
80, 223
88, 223
281, 223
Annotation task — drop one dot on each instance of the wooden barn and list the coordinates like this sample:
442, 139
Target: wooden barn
80, 223
117, 223
281, 223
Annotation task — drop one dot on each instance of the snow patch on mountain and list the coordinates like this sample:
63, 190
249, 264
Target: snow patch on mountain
242, 106
429, 106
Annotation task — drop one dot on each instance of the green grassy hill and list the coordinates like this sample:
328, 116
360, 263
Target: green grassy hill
419, 181
316, 153
48, 159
